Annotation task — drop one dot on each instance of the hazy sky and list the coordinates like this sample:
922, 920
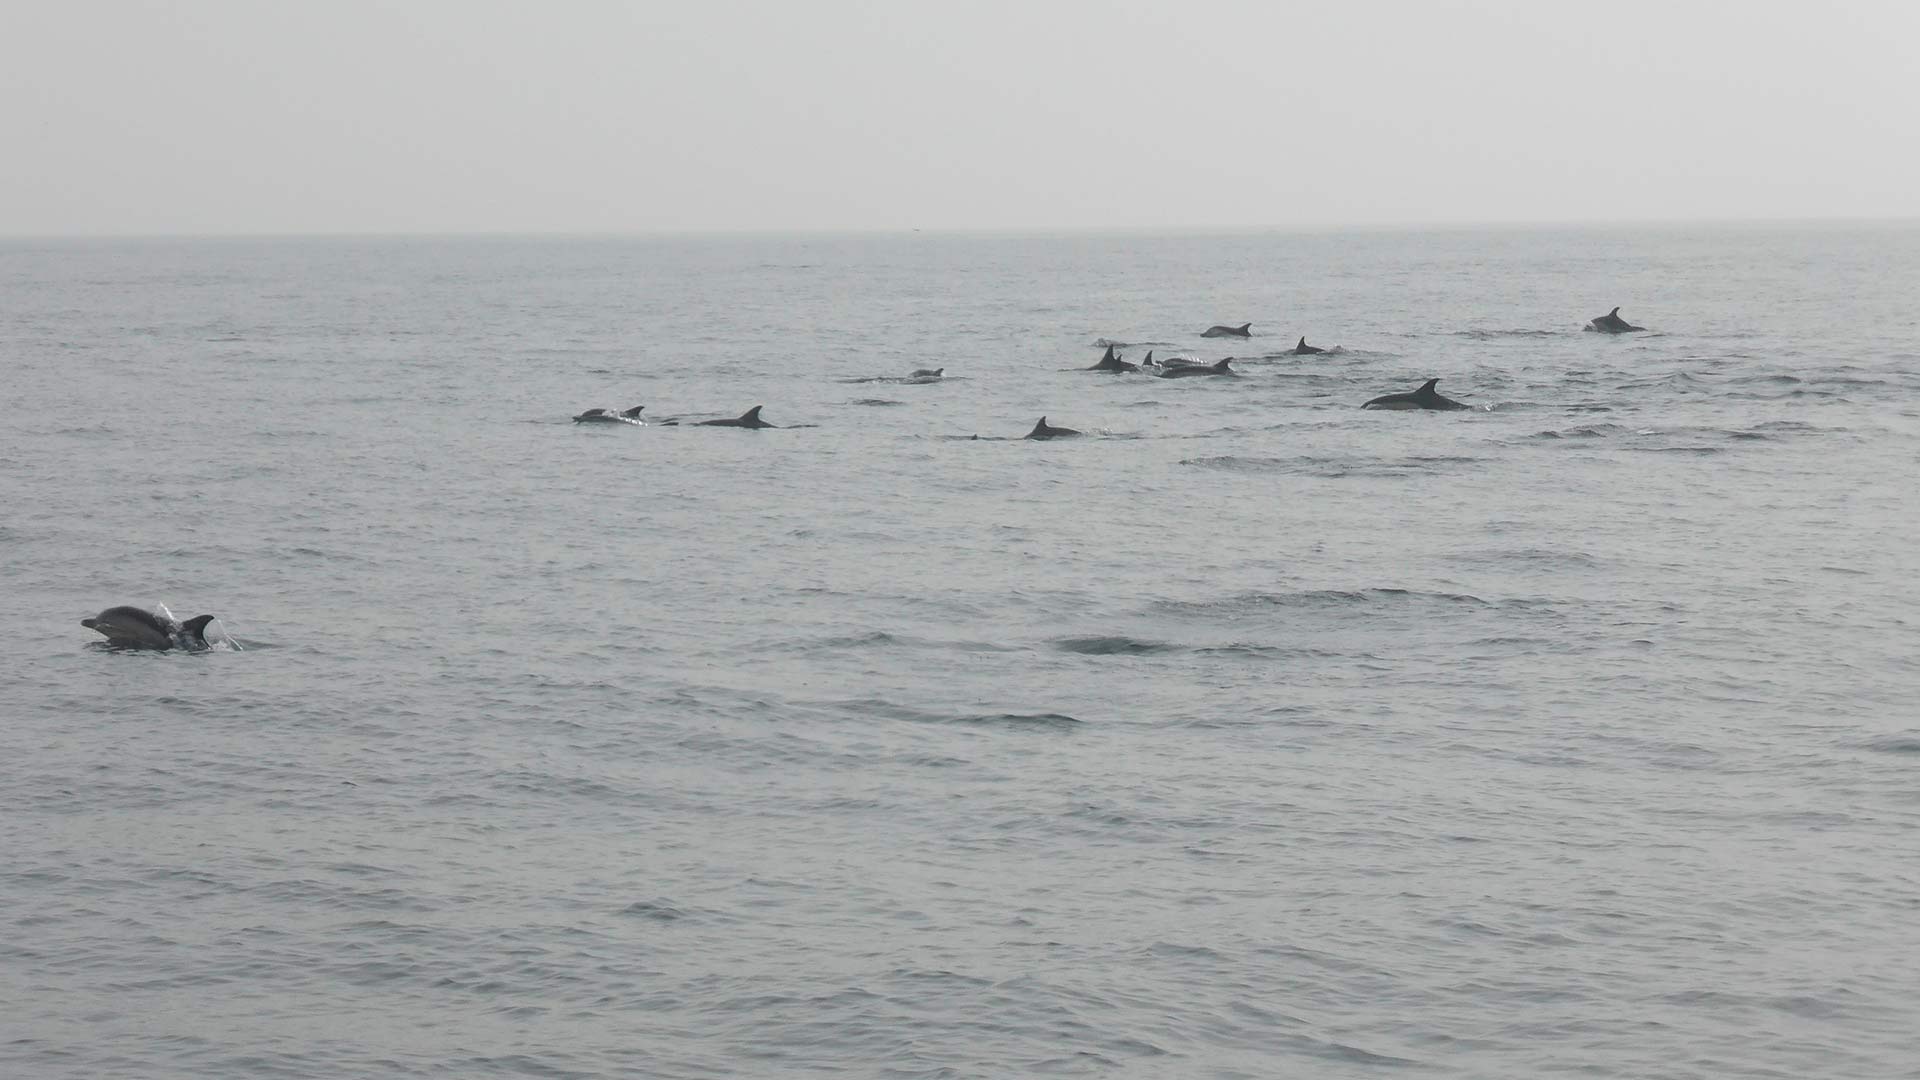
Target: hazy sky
197, 116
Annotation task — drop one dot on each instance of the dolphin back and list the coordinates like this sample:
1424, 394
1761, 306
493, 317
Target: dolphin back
132, 627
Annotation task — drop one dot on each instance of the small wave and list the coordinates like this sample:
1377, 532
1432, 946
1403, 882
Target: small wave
1023, 720
1019, 721
901, 380
1491, 335
1115, 645
876, 401
1587, 431
1317, 598
1683, 381
1342, 1052
1908, 743
875, 639
1335, 468
1104, 343
1232, 461
657, 910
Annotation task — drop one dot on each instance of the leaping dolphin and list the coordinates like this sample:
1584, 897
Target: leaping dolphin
131, 628
1612, 323
1044, 430
1424, 398
748, 419
1304, 349
1243, 330
608, 416
1113, 363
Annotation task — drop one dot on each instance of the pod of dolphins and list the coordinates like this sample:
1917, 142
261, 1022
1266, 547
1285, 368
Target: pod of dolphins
132, 628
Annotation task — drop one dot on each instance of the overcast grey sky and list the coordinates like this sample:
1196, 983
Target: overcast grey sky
216, 116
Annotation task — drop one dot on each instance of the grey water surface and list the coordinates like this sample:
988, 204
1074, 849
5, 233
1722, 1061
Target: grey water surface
1252, 735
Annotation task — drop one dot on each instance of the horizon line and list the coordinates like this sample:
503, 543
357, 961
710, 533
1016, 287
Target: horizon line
977, 230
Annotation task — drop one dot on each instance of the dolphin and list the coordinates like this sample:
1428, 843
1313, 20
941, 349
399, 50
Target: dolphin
1243, 330
1424, 398
748, 419
1181, 371
131, 628
1043, 430
928, 373
1612, 323
1113, 363
1304, 349
608, 416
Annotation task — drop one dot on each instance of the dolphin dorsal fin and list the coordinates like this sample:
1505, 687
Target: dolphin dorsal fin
1303, 342
1427, 388
1615, 313
1109, 358
1149, 358
633, 413
1041, 424
1222, 365
752, 414
1245, 326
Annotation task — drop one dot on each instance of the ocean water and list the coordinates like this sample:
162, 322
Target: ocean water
1251, 735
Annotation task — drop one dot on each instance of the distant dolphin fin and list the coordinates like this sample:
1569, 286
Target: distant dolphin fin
1303, 342
1246, 327
1149, 358
751, 415
633, 413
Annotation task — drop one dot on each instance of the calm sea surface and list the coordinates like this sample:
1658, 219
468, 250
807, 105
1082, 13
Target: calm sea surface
1252, 735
